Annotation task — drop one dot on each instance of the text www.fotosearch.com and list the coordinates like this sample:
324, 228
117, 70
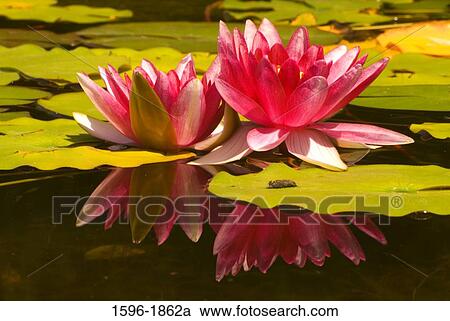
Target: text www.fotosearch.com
250, 311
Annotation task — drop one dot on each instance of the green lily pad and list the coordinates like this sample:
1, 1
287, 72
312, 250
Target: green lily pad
48, 11
42, 38
68, 103
419, 97
62, 65
357, 12
415, 69
14, 95
7, 77
437, 130
184, 36
49, 145
405, 188
6, 115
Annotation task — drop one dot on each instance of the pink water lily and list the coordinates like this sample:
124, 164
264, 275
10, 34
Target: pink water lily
288, 91
157, 110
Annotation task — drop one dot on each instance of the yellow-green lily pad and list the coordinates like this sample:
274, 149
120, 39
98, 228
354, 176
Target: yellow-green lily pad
49, 11
402, 189
184, 36
15, 95
68, 103
7, 77
437, 130
49, 145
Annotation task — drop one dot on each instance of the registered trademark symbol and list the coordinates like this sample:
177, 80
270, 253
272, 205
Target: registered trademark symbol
396, 202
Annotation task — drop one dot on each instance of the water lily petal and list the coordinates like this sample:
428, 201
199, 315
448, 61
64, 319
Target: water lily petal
298, 44
241, 103
306, 101
314, 147
336, 53
289, 75
232, 150
225, 43
182, 65
270, 32
187, 111
362, 133
150, 70
278, 55
337, 91
270, 91
260, 45
101, 130
249, 33
263, 139
343, 64
115, 112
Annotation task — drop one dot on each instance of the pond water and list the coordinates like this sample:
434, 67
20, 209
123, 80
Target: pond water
385, 258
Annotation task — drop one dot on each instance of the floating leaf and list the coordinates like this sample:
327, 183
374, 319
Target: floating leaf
68, 103
420, 97
431, 38
407, 188
42, 38
346, 11
61, 65
437, 130
184, 36
6, 115
7, 77
415, 69
49, 145
48, 11
14, 95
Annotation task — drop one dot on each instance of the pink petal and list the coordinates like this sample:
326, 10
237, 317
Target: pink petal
225, 42
298, 44
311, 55
370, 228
362, 133
263, 139
249, 33
115, 112
314, 147
336, 53
337, 91
270, 91
270, 32
343, 64
150, 70
361, 61
306, 101
212, 73
241, 103
166, 89
187, 111
182, 65
278, 55
289, 75
232, 150
260, 45
318, 68
188, 74
101, 130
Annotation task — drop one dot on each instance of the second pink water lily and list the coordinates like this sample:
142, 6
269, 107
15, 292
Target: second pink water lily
287, 92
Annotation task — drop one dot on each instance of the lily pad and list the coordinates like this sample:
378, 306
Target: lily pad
415, 69
68, 103
356, 12
42, 38
15, 95
184, 36
7, 115
49, 11
437, 130
62, 65
7, 77
404, 188
419, 97
49, 145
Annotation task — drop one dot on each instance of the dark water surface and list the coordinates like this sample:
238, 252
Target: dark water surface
42, 260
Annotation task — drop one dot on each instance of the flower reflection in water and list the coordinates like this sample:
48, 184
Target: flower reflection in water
247, 236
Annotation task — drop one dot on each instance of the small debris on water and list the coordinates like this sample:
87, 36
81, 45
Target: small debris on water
117, 147
282, 183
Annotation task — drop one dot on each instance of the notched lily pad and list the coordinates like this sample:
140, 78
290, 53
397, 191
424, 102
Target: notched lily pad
394, 190
437, 130
60, 143
15, 95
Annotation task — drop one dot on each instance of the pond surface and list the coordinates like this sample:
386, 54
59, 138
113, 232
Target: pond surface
118, 258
